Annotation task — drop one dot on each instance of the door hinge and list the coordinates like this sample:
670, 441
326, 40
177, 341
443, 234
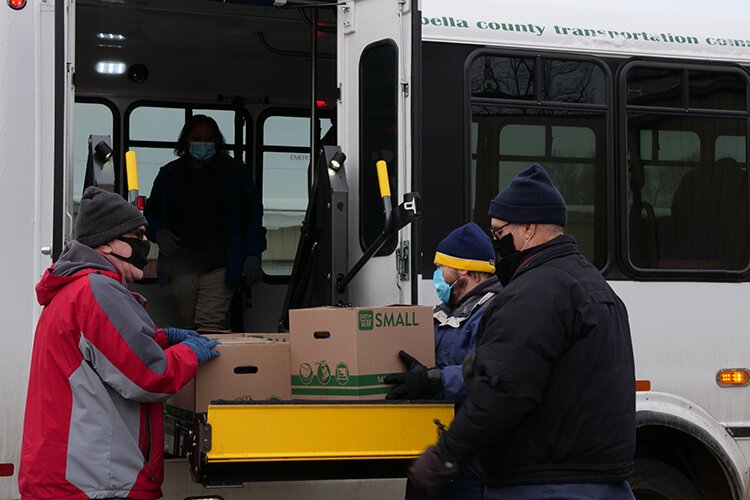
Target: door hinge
402, 261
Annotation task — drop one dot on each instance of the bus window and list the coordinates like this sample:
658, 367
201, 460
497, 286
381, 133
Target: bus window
90, 118
731, 146
148, 123
285, 150
564, 129
225, 120
655, 87
503, 77
687, 189
150, 160
378, 119
711, 91
152, 133
667, 156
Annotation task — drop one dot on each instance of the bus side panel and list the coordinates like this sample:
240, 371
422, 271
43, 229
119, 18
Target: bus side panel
26, 176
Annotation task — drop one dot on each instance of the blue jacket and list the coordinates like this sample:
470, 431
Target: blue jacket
247, 236
456, 335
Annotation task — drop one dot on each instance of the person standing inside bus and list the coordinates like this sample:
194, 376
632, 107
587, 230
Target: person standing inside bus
465, 283
100, 368
551, 401
206, 216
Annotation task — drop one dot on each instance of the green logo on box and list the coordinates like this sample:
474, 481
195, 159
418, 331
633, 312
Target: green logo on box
366, 320
306, 373
324, 372
342, 373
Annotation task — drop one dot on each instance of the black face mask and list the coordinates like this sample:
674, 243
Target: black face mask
506, 263
139, 252
504, 247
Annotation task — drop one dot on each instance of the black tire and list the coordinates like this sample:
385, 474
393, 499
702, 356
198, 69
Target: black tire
655, 480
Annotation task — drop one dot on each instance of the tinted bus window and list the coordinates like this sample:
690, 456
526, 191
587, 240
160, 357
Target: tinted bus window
503, 77
687, 190
717, 91
378, 122
569, 143
655, 87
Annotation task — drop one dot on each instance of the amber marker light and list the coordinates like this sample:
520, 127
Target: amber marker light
733, 377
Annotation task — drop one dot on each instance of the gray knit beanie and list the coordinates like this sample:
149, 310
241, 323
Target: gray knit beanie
103, 216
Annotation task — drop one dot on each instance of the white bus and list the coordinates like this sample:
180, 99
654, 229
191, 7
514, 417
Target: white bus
638, 110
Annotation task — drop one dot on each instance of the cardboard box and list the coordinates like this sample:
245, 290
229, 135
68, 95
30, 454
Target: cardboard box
249, 369
344, 353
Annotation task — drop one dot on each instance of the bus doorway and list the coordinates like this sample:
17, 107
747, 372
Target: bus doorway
261, 72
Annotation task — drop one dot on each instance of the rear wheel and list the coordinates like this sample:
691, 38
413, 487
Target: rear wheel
655, 480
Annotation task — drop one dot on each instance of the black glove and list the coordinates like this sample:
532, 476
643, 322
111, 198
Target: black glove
417, 383
252, 270
467, 368
429, 473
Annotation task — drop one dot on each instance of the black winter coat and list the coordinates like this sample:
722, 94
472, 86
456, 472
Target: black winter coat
553, 398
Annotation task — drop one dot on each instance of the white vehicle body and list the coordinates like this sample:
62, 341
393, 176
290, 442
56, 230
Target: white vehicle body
685, 329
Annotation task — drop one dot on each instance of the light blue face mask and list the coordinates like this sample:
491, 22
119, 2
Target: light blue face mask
442, 288
202, 151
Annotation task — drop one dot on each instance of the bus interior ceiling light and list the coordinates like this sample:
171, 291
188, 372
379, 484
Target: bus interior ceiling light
16, 4
114, 37
110, 67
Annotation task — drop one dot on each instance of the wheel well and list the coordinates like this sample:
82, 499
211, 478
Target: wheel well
691, 456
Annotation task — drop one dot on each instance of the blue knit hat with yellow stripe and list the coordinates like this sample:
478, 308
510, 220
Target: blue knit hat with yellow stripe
467, 248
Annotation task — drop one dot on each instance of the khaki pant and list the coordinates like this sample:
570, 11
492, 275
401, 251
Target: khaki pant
203, 300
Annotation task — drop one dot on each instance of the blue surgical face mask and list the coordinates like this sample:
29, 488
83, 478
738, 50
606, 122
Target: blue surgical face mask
202, 151
442, 288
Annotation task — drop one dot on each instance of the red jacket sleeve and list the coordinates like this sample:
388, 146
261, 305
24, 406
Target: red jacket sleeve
119, 340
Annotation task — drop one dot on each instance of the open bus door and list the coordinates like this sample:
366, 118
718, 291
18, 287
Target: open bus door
375, 78
354, 212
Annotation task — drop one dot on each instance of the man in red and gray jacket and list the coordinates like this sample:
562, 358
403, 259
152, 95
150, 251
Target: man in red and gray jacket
100, 368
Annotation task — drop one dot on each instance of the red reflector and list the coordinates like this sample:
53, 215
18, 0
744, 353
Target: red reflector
17, 4
320, 103
642, 385
6, 470
140, 203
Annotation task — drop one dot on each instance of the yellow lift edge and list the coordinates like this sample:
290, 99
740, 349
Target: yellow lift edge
319, 431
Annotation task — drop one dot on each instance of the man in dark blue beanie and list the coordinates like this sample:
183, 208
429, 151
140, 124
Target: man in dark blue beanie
465, 283
551, 406
530, 197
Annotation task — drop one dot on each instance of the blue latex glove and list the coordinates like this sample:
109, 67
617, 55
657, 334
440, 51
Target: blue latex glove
203, 348
177, 335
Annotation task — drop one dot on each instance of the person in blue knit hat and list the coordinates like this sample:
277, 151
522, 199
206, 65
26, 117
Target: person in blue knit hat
550, 409
465, 283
